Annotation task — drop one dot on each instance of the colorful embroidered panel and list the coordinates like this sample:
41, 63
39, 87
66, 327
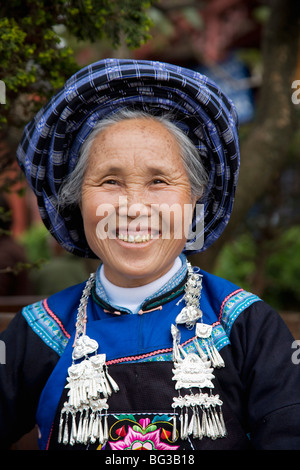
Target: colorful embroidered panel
138, 432
46, 325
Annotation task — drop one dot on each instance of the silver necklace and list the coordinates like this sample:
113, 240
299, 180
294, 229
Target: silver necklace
90, 385
201, 413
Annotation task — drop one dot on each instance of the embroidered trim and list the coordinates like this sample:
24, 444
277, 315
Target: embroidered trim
161, 300
219, 338
146, 306
46, 325
233, 305
225, 300
45, 304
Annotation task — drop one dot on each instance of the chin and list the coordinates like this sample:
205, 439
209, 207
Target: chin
129, 263
134, 274
139, 270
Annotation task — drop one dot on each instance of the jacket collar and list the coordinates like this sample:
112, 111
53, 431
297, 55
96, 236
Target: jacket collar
171, 289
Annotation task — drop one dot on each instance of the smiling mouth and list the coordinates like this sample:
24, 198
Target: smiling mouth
137, 237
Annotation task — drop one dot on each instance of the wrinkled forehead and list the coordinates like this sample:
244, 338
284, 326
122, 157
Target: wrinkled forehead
135, 147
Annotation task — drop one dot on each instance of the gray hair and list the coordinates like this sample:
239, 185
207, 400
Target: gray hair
70, 191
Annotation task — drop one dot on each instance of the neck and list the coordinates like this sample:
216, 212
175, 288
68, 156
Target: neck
132, 297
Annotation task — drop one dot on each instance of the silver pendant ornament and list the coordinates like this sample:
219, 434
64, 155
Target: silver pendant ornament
201, 412
89, 386
83, 417
191, 313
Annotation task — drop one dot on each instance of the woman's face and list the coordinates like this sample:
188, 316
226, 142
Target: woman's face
136, 201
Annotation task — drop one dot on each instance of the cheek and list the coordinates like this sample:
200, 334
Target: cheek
88, 207
176, 212
94, 227
91, 207
94, 203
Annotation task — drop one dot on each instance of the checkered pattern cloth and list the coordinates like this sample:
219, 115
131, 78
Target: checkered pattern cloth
51, 142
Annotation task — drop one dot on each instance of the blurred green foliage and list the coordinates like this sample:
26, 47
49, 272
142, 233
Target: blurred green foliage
36, 243
33, 58
243, 261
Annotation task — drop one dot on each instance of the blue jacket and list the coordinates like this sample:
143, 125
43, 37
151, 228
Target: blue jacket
259, 386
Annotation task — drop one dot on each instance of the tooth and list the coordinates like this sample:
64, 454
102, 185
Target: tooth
135, 239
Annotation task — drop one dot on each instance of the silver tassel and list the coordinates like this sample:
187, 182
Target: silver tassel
191, 425
61, 423
85, 429
185, 426
112, 382
73, 430
101, 436
66, 432
195, 430
105, 432
181, 423
174, 430
95, 429
214, 431
223, 427
199, 429
79, 430
90, 425
204, 426
217, 360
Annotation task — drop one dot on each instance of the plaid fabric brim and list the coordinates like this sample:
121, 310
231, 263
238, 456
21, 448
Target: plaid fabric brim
51, 142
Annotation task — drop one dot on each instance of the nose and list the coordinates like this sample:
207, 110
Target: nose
132, 206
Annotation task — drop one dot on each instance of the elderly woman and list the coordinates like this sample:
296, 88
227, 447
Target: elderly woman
135, 164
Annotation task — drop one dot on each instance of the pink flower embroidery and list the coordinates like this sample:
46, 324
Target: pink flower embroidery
138, 441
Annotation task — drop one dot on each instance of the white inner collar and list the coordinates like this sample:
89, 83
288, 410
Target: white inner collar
132, 297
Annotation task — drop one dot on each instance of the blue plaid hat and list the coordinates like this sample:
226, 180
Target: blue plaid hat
51, 142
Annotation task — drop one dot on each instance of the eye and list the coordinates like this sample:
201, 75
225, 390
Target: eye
158, 181
110, 181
